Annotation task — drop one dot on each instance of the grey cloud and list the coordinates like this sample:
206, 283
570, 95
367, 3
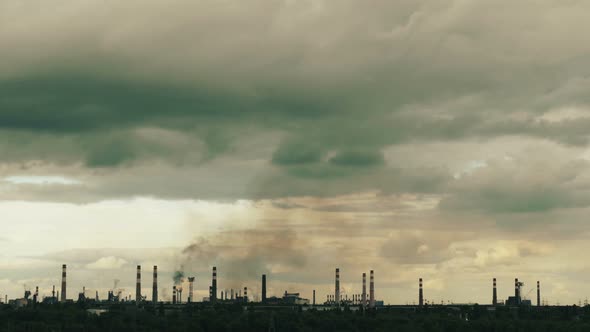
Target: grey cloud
327, 77
294, 154
519, 187
358, 158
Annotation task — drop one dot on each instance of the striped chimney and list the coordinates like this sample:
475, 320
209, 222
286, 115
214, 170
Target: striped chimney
214, 285
420, 294
138, 285
155, 286
495, 294
63, 283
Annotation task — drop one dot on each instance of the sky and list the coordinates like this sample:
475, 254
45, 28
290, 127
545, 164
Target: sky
445, 140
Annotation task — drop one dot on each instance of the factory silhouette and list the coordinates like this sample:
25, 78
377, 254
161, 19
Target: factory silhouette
360, 301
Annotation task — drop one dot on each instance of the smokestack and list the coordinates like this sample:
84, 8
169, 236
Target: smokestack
313, 303
538, 294
264, 288
53, 292
63, 283
495, 294
245, 294
138, 285
232, 294
337, 288
516, 291
372, 290
420, 294
191, 280
155, 286
214, 285
364, 295
173, 294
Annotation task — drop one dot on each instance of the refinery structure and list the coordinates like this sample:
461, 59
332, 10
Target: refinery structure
362, 300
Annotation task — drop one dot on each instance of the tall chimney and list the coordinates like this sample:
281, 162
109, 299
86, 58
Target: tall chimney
364, 295
313, 303
245, 294
495, 294
420, 294
138, 285
372, 290
191, 280
264, 288
337, 288
214, 285
232, 294
538, 294
53, 292
155, 286
63, 283
173, 294
516, 291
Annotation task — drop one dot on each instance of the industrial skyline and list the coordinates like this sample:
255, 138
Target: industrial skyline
356, 297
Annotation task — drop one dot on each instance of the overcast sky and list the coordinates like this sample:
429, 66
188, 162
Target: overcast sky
447, 140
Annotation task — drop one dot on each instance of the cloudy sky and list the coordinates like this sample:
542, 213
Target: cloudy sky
447, 140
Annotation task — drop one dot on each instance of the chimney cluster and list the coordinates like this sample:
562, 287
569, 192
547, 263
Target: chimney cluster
337, 299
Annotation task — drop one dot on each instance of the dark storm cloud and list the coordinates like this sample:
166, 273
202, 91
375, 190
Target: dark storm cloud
358, 158
125, 85
297, 153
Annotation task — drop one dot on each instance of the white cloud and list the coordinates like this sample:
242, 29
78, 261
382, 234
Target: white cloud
41, 180
107, 263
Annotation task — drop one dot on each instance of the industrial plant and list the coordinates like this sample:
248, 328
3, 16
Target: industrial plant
174, 307
337, 301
